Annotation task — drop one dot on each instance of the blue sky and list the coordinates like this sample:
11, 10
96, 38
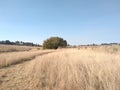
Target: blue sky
77, 21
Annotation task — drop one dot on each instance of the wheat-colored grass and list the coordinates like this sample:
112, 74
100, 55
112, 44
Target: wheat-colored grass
76, 69
84, 68
11, 58
14, 48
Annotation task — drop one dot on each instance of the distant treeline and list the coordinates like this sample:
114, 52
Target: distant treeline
102, 44
110, 44
8, 42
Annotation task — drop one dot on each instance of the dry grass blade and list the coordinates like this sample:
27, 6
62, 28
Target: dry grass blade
76, 70
7, 59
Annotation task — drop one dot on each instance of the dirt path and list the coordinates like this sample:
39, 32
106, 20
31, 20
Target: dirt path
15, 77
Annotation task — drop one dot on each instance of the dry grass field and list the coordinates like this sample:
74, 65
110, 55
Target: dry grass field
14, 48
7, 59
84, 68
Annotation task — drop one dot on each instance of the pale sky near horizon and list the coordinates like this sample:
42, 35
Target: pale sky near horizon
77, 21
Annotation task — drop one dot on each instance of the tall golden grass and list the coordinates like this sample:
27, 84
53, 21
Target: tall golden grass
14, 48
11, 58
76, 69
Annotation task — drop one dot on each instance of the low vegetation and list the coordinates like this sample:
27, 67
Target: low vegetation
7, 59
83, 68
14, 48
76, 69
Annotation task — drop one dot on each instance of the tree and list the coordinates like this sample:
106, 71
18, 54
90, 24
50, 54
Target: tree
7, 42
54, 43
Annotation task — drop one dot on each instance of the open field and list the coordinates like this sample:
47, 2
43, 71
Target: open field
15, 48
7, 59
84, 68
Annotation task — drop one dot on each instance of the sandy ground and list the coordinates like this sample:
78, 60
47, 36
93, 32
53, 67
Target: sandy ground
14, 77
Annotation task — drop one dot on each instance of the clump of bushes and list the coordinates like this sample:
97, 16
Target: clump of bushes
54, 43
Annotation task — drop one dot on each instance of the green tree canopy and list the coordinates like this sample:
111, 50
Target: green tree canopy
54, 43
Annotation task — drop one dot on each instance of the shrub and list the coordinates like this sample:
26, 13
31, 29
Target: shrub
54, 43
